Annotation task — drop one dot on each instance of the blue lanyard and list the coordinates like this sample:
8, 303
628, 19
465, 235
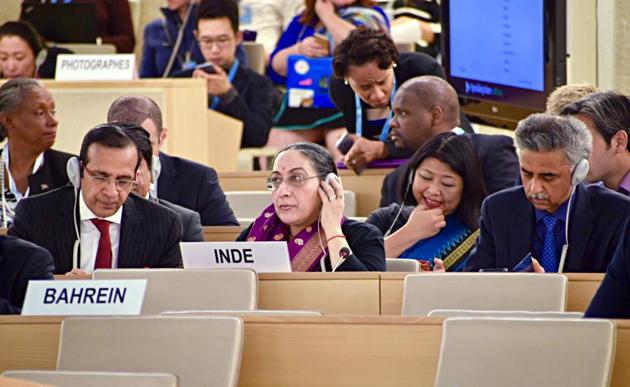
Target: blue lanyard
359, 115
231, 74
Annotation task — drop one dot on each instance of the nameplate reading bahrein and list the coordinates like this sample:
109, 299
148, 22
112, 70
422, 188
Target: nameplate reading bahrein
99, 67
264, 257
84, 297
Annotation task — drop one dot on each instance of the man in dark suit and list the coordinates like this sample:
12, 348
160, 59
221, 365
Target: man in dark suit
20, 261
612, 299
532, 218
191, 223
427, 105
114, 229
179, 181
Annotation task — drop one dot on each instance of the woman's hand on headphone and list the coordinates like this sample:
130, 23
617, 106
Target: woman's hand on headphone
331, 194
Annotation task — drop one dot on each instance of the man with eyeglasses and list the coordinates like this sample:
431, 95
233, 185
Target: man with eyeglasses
233, 89
95, 223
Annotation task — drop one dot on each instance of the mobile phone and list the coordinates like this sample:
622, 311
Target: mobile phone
525, 265
344, 143
331, 176
322, 40
207, 68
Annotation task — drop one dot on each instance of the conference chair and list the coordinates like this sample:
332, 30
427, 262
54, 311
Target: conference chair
179, 289
94, 379
255, 56
483, 291
200, 351
247, 205
402, 265
243, 313
501, 313
525, 352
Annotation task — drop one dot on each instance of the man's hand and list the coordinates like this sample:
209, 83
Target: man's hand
363, 152
218, 84
537, 266
77, 272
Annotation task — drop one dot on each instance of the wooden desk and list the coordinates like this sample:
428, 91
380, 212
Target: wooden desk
302, 351
330, 293
221, 233
366, 187
582, 287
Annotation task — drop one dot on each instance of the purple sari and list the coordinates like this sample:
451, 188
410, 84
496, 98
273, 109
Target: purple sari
305, 249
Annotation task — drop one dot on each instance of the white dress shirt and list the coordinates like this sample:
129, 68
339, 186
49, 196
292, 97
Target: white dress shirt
90, 236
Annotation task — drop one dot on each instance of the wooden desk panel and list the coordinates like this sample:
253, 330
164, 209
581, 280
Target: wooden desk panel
366, 187
303, 351
221, 233
330, 293
582, 287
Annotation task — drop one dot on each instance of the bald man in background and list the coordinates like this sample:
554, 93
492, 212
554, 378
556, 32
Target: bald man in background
427, 105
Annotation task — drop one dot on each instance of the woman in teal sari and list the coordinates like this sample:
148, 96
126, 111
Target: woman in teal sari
442, 197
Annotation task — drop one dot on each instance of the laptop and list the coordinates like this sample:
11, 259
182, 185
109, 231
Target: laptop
62, 22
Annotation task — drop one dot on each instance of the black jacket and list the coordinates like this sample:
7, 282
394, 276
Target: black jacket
499, 166
149, 233
597, 219
20, 261
410, 65
196, 187
191, 222
365, 241
52, 174
253, 104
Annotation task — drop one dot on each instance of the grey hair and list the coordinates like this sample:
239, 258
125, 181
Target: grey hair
12, 94
320, 158
546, 133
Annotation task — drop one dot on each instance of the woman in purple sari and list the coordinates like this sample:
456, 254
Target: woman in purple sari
307, 213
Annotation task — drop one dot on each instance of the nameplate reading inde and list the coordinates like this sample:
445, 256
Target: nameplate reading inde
264, 257
84, 297
96, 67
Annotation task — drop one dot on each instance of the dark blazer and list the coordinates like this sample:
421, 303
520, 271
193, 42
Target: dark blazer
597, 219
149, 233
499, 166
52, 174
191, 222
612, 299
254, 104
21, 261
365, 241
196, 187
410, 65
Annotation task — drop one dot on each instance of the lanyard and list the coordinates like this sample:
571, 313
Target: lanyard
359, 115
231, 74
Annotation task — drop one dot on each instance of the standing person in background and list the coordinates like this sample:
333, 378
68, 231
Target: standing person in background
28, 165
332, 21
24, 54
169, 43
113, 23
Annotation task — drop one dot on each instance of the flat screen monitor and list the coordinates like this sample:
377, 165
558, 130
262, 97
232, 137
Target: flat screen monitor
504, 57
62, 22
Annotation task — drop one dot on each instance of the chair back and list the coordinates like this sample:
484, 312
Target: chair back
201, 351
501, 313
525, 352
402, 265
178, 289
483, 291
95, 379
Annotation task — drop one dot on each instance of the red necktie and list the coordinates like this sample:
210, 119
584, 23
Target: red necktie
104, 252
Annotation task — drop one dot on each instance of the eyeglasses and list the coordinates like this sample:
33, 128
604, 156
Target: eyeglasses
273, 183
221, 42
103, 181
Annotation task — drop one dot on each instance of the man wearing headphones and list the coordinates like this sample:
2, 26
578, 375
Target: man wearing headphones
95, 223
566, 226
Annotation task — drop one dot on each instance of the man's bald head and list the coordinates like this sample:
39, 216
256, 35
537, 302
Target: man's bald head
142, 111
423, 107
